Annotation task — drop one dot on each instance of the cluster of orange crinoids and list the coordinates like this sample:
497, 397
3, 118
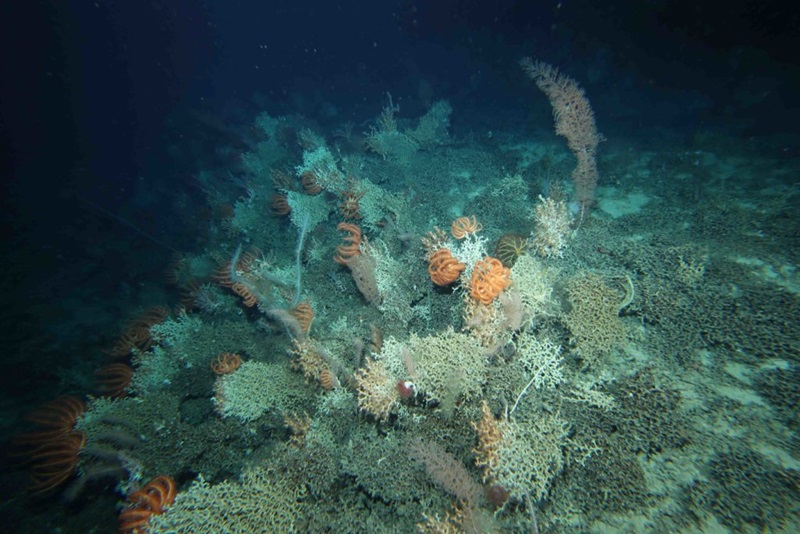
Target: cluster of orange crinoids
309, 182
190, 293
114, 380
226, 363
148, 501
464, 226
244, 265
443, 268
248, 298
53, 448
489, 278
353, 243
137, 332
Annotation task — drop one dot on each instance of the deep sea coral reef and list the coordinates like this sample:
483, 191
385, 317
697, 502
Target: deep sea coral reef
388, 376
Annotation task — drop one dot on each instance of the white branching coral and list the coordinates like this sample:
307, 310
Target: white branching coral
433, 127
522, 457
540, 359
256, 388
530, 455
534, 282
469, 251
449, 366
316, 208
321, 163
385, 138
552, 230
262, 501
493, 325
377, 205
586, 392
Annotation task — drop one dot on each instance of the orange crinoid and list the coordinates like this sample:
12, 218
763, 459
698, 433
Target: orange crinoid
52, 449
243, 287
280, 204
114, 380
489, 278
309, 182
304, 314
443, 268
226, 363
137, 332
349, 207
150, 500
463, 226
353, 248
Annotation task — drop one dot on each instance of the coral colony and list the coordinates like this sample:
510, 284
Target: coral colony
375, 337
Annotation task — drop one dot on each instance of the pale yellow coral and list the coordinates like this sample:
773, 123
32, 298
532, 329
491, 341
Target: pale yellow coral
530, 455
593, 318
522, 457
256, 388
534, 282
308, 358
377, 393
493, 325
262, 501
552, 227
489, 439
299, 426
449, 365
